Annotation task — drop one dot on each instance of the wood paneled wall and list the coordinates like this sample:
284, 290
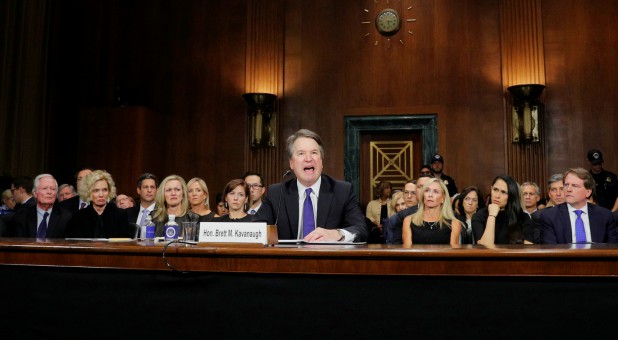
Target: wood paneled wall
581, 50
264, 74
523, 62
450, 64
192, 60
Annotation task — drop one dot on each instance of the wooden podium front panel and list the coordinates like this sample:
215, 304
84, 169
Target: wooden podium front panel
534, 260
87, 289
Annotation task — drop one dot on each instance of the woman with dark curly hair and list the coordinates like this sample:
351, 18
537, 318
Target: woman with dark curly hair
471, 200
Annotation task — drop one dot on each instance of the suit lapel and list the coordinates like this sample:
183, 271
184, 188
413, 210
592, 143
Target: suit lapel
53, 222
324, 202
291, 206
565, 220
592, 220
32, 227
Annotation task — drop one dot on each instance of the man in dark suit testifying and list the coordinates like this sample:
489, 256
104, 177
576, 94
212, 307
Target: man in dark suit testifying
578, 221
312, 206
41, 220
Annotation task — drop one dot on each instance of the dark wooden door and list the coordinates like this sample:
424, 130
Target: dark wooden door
393, 156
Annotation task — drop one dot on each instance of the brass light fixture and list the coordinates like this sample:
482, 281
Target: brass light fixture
263, 119
526, 112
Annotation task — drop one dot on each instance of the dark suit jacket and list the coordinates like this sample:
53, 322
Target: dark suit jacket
134, 211
338, 208
70, 204
31, 202
24, 223
393, 227
87, 223
556, 225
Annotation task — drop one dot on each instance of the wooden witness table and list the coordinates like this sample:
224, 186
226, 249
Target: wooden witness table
373, 259
343, 291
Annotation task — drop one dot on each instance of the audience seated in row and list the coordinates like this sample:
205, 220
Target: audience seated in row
513, 214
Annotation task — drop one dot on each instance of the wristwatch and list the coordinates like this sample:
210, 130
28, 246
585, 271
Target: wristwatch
341, 234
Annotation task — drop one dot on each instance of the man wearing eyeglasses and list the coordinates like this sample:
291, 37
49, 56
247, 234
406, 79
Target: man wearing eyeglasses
21, 188
393, 226
256, 184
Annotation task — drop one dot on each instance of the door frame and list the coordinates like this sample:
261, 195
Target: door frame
426, 124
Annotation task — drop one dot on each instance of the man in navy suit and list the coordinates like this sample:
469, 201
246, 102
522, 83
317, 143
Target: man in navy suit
75, 203
578, 221
336, 211
41, 220
146, 189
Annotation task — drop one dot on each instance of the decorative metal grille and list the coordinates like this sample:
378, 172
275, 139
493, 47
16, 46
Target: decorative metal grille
390, 161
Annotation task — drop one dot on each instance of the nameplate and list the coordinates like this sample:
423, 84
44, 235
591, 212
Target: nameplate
238, 232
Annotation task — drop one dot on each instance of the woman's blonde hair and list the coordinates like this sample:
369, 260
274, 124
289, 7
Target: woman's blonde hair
160, 213
395, 198
85, 186
202, 184
446, 213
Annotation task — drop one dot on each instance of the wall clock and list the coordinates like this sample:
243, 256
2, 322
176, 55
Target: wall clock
387, 22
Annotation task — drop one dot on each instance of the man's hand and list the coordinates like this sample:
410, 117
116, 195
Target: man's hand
325, 235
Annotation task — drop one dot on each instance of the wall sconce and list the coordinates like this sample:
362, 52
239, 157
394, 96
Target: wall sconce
263, 119
526, 111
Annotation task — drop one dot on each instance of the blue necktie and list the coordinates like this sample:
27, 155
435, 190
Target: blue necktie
142, 222
308, 220
580, 232
42, 231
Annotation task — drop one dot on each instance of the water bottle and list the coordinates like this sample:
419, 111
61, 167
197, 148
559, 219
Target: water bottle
171, 229
148, 230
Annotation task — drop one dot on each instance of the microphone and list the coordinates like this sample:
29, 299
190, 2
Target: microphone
286, 174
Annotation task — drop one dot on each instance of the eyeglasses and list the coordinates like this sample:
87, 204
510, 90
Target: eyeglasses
254, 186
471, 199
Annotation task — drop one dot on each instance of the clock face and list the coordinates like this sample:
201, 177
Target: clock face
387, 22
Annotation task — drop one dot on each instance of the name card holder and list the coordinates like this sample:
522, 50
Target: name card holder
241, 232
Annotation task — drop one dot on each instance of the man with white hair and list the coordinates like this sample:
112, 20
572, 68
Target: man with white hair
42, 220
